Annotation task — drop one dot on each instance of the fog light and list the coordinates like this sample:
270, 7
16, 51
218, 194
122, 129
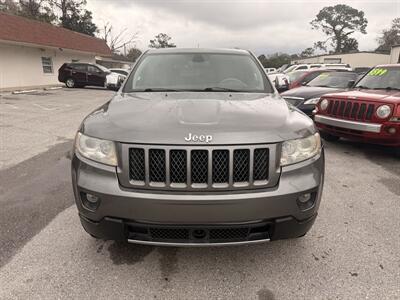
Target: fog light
89, 201
92, 198
304, 198
306, 201
391, 130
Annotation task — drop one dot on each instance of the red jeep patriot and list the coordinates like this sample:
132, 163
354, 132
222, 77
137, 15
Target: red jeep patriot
370, 112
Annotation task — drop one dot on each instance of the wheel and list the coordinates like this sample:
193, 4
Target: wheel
329, 137
70, 83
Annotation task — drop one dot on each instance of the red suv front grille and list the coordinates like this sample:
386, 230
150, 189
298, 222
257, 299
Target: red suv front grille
352, 110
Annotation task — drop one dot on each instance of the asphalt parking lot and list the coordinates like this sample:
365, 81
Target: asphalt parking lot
352, 252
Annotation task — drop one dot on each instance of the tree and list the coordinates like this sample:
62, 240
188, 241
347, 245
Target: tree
350, 45
74, 16
117, 41
39, 10
320, 45
133, 54
274, 60
338, 22
263, 60
307, 52
9, 6
70, 14
389, 36
161, 40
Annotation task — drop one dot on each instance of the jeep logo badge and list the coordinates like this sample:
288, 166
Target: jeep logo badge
198, 138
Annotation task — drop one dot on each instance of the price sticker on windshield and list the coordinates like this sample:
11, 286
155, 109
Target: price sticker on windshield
323, 75
378, 72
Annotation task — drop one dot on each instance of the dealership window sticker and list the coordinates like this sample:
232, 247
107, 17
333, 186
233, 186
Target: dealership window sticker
378, 72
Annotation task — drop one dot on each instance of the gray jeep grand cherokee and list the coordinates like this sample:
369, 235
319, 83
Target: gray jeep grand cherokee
197, 148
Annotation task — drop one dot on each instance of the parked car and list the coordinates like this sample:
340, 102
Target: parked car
196, 149
270, 70
283, 68
85, 74
121, 71
306, 97
82, 74
317, 65
369, 113
115, 79
299, 78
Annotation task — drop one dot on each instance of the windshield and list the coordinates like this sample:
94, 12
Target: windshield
198, 72
381, 78
293, 76
333, 79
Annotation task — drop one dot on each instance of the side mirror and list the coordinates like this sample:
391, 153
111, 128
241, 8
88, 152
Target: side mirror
351, 83
277, 83
304, 83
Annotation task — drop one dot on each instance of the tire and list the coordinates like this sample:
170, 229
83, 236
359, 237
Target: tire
329, 137
70, 83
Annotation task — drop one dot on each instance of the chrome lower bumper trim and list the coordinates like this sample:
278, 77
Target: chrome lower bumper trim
197, 244
361, 126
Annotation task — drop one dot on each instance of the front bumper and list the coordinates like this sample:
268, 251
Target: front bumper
361, 131
276, 209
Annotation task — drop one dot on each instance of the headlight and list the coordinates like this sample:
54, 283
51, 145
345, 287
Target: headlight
312, 101
324, 104
383, 111
295, 151
102, 151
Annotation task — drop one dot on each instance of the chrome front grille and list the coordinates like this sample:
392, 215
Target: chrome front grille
196, 168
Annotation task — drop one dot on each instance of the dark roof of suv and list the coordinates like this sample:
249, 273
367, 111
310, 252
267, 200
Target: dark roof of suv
198, 50
23, 30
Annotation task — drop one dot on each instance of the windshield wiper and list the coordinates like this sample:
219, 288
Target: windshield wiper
221, 89
362, 87
157, 90
388, 88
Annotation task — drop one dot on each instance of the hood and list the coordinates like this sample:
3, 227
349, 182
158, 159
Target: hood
167, 118
371, 95
308, 92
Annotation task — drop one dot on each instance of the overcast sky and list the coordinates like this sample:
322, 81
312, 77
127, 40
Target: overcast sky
261, 26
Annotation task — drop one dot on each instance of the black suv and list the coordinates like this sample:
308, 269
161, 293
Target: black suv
81, 74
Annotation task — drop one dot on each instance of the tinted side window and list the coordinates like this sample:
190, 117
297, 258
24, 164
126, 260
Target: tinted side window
302, 68
93, 69
78, 67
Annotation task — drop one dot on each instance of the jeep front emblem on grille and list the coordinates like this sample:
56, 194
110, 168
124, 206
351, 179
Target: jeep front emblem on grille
198, 138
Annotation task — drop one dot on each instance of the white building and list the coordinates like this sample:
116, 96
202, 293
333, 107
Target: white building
395, 54
31, 52
355, 60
